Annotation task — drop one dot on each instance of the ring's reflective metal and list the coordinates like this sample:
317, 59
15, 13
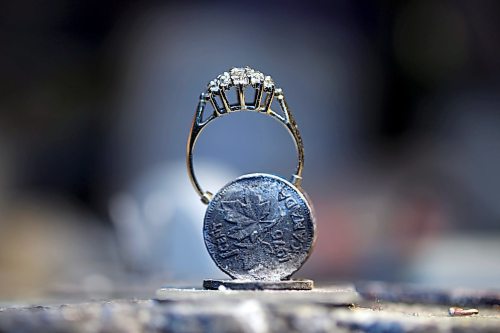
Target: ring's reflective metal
265, 92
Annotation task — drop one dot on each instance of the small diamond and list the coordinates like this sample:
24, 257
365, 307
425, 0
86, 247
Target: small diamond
268, 83
224, 80
249, 71
213, 86
256, 77
278, 93
239, 76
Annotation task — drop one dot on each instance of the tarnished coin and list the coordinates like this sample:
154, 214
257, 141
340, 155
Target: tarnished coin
259, 227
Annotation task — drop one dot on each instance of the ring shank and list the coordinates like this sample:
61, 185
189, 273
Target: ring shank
198, 125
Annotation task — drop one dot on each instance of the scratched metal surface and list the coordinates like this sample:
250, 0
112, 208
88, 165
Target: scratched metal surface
259, 227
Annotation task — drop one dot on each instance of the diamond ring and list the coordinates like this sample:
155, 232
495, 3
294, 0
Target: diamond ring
243, 81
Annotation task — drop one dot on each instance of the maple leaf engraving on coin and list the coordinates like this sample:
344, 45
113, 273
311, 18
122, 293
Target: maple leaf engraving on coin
250, 218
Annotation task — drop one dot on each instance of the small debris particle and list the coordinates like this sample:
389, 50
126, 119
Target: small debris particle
456, 312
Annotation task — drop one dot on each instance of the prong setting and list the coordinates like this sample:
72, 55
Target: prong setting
241, 78
268, 84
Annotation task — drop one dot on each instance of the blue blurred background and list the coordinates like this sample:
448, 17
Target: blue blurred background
397, 101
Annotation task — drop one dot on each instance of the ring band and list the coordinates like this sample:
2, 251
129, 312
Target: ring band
265, 92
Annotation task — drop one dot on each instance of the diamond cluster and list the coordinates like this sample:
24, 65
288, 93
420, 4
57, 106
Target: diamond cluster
241, 76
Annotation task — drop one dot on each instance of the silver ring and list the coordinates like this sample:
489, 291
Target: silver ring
265, 92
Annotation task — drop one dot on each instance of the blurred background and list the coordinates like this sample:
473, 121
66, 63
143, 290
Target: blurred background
398, 104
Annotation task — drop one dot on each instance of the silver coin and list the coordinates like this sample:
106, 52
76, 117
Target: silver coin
259, 227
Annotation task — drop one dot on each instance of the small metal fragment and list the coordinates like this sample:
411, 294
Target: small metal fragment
456, 312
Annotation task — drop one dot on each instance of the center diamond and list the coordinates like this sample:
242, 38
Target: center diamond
238, 75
